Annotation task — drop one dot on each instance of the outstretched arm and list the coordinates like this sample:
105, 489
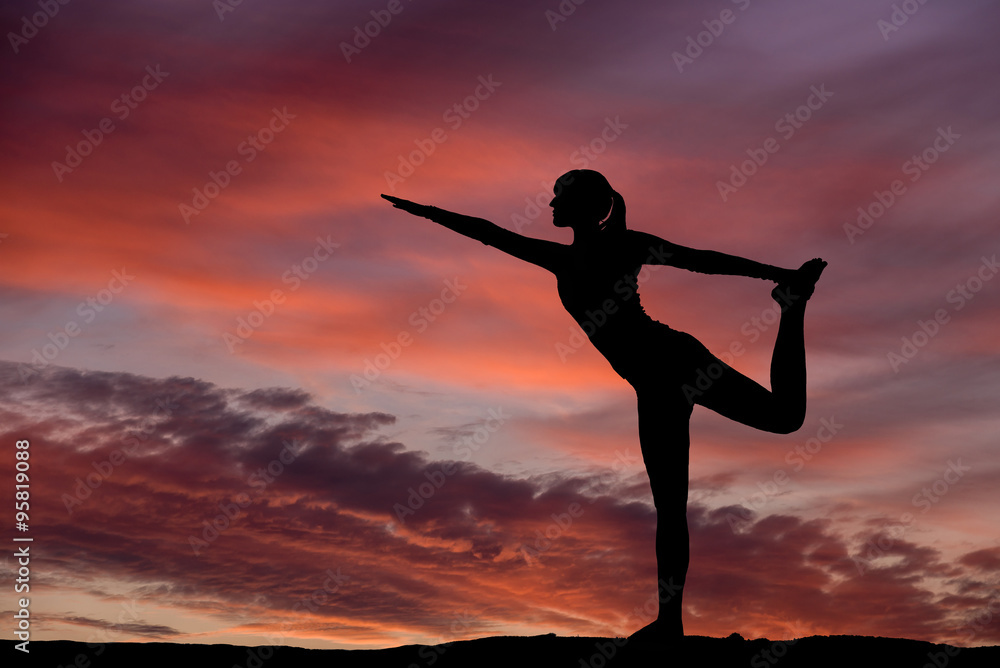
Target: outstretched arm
660, 251
536, 251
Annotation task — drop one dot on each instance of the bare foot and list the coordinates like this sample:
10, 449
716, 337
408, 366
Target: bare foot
659, 632
799, 287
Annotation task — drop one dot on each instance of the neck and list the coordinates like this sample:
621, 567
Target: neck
585, 234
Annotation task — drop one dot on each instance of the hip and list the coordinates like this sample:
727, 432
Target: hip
654, 352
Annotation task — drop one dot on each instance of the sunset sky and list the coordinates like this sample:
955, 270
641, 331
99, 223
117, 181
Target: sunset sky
207, 309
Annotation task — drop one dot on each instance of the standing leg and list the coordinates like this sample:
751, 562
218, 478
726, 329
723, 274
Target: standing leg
664, 417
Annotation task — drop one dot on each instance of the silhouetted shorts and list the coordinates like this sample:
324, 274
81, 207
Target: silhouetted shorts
656, 357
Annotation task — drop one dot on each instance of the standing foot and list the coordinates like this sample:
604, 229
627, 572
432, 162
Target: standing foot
659, 631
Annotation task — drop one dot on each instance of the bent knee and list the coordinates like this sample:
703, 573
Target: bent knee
788, 423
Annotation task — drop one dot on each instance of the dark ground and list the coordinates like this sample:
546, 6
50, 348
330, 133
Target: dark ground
523, 652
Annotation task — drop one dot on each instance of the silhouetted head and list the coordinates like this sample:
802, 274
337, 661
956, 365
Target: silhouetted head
583, 198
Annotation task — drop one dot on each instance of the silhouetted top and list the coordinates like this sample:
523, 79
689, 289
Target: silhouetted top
598, 283
598, 286
597, 279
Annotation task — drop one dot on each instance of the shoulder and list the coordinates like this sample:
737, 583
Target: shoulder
644, 241
643, 237
651, 249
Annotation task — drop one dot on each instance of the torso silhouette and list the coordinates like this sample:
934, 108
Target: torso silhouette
598, 286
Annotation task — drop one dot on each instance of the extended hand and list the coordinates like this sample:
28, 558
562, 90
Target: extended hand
783, 276
410, 207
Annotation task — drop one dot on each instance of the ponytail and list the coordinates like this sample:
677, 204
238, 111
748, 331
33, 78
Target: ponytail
615, 222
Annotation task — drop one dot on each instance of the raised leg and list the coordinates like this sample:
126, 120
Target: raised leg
782, 409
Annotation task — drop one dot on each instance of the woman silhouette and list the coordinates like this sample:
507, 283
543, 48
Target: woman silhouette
669, 370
